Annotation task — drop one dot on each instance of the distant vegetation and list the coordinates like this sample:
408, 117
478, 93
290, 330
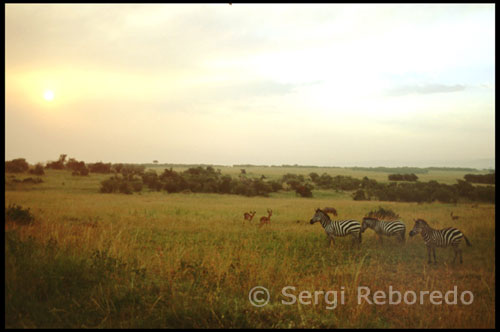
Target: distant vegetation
415, 170
18, 214
403, 177
130, 178
383, 214
16, 166
479, 178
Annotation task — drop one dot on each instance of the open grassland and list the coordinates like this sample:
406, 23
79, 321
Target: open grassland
188, 260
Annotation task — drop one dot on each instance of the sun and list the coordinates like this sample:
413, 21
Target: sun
48, 95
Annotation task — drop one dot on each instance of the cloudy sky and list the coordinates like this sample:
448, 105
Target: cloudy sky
328, 85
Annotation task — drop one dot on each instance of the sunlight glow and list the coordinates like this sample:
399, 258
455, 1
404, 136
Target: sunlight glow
48, 95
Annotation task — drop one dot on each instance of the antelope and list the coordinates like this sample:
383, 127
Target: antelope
249, 215
330, 210
453, 217
266, 220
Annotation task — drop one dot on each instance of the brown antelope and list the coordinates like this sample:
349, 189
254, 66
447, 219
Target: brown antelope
249, 215
266, 220
453, 217
330, 210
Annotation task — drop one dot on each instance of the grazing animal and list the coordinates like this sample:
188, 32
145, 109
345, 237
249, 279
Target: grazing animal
337, 227
266, 220
330, 210
386, 228
249, 215
439, 238
453, 217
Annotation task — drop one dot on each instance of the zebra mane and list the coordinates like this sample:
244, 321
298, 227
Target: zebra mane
422, 221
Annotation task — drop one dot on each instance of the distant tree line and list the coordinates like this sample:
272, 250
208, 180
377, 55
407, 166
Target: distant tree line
424, 192
196, 179
480, 178
403, 177
130, 178
20, 165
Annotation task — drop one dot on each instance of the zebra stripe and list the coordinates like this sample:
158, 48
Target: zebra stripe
439, 238
382, 227
337, 227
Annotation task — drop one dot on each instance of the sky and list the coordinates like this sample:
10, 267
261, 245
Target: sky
307, 84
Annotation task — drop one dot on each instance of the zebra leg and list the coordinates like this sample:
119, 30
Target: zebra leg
434, 253
355, 239
428, 255
329, 239
402, 237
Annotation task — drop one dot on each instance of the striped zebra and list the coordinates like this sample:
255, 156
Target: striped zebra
382, 227
439, 238
337, 227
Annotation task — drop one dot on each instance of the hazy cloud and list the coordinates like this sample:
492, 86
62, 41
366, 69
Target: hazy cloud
424, 89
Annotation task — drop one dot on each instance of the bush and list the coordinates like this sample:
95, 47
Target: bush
382, 213
110, 185
17, 214
100, 167
150, 179
403, 177
359, 195
78, 167
480, 178
304, 190
38, 170
31, 180
59, 164
16, 166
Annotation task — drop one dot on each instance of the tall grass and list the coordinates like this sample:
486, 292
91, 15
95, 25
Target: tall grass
189, 260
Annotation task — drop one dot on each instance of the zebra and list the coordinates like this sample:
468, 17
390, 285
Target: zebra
439, 238
382, 227
337, 227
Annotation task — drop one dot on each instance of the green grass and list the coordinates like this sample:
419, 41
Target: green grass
158, 260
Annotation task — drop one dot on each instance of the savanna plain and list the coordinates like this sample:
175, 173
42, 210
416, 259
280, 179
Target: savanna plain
188, 260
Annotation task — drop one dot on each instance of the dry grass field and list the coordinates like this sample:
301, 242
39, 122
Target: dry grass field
158, 260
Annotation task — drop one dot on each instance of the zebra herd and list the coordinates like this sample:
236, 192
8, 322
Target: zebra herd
432, 237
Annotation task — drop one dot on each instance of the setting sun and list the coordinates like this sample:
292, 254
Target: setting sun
48, 95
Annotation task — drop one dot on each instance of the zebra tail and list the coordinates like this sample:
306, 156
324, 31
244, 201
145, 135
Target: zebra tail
467, 241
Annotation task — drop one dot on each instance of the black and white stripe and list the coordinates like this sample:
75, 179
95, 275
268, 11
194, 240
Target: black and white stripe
439, 238
385, 228
337, 227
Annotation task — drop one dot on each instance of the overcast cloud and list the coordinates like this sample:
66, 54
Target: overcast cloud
322, 84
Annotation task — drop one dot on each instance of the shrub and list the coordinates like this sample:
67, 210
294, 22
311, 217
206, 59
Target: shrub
110, 185
38, 170
31, 180
403, 177
480, 178
59, 164
78, 167
16, 166
304, 190
100, 167
382, 213
359, 195
17, 214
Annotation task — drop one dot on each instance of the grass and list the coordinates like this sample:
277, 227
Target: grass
158, 260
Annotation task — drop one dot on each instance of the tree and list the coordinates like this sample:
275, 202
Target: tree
16, 166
